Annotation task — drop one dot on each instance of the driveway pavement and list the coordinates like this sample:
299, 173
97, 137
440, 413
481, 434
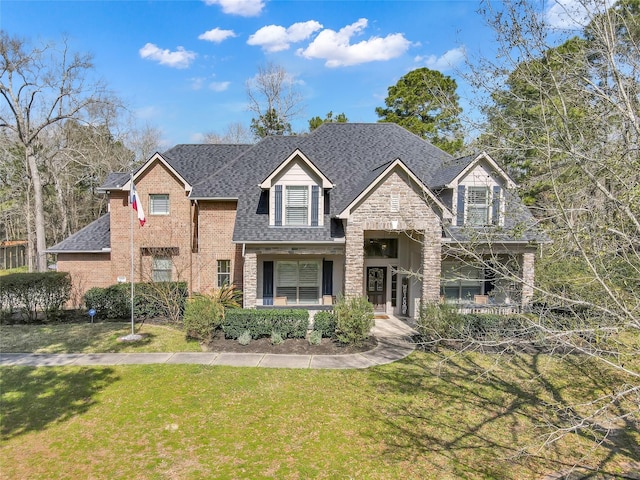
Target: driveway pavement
393, 334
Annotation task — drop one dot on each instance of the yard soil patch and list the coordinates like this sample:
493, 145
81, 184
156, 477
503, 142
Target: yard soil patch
291, 346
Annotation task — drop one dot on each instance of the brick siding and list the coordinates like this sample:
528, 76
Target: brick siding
87, 270
160, 232
215, 233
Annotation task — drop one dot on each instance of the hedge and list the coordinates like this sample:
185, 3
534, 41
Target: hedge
151, 300
289, 323
34, 293
443, 322
325, 323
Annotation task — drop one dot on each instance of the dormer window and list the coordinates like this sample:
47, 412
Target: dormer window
296, 205
478, 206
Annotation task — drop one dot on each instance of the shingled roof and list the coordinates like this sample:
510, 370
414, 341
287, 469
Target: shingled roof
348, 153
352, 155
93, 238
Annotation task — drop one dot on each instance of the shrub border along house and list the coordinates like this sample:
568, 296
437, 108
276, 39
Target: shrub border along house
289, 323
32, 294
151, 300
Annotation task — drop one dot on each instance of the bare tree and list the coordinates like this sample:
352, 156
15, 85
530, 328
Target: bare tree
563, 110
236, 133
42, 87
275, 99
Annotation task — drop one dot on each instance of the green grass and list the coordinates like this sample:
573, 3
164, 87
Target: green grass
472, 416
13, 270
92, 338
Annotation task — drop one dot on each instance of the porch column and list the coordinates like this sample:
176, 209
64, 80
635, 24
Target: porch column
431, 265
250, 280
354, 262
528, 274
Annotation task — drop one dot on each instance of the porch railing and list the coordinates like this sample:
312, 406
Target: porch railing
491, 309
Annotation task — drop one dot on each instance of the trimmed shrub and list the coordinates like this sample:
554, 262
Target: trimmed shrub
437, 322
289, 323
31, 293
245, 338
355, 319
151, 300
325, 323
441, 322
315, 337
276, 338
202, 317
110, 303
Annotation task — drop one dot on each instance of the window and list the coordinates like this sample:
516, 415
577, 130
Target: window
460, 283
394, 286
161, 269
394, 206
159, 204
478, 206
224, 272
381, 248
298, 281
296, 205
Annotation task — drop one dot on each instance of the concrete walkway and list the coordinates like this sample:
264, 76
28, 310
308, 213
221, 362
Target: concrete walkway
393, 334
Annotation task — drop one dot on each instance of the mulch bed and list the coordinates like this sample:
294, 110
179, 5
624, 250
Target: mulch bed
291, 346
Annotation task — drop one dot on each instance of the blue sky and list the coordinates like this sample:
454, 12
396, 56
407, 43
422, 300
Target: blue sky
182, 66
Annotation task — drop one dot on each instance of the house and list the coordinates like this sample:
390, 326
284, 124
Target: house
350, 209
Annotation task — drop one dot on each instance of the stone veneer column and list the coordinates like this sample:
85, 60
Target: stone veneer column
354, 262
528, 274
431, 265
250, 280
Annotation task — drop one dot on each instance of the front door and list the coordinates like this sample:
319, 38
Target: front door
376, 287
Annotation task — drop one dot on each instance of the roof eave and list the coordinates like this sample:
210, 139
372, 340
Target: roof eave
57, 251
346, 212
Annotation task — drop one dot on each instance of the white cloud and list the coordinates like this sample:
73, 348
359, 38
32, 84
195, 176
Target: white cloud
336, 49
216, 35
449, 60
181, 58
274, 38
219, 86
196, 83
244, 8
574, 14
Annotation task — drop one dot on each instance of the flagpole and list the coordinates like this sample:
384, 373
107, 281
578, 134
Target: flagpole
131, 230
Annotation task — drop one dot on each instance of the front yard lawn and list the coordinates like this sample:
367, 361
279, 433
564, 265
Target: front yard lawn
473, 416
92, 338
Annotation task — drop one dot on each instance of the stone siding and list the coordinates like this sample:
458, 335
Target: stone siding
528, 274
250, 280
377, 212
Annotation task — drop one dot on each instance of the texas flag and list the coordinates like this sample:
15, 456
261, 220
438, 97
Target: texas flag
137, 205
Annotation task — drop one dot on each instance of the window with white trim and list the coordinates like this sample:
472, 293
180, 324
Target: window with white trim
224, 273
161, 269
477, 205
299, 281
296, 205
159, 204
